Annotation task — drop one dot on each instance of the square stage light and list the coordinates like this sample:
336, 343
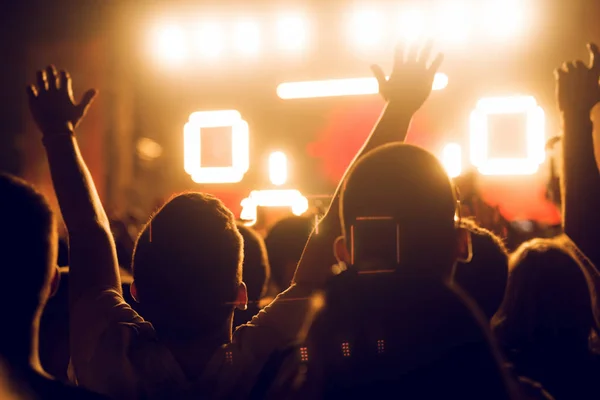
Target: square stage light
533, 131
192, 145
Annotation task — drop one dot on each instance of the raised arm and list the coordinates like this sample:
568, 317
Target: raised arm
93, 262
406, 90
578, 91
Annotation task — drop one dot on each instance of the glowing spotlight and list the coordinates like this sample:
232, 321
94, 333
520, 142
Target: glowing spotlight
247, 37
291, 32
453, 22
341, 87
366, 28
452, 159
479, 133
192, 144
170, 44
503, 18
412, 25
272, 198
278, 168
210, 40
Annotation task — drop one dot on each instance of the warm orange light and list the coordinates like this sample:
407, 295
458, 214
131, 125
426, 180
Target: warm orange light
452, 159
272, 198
278, 168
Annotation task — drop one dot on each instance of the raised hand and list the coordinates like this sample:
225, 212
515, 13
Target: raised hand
52, 104
411, 80
577, 86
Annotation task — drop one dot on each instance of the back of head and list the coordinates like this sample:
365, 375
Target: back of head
410, 185
285, 243
187, 266
547, 300
255, 271
484, 277
28, 248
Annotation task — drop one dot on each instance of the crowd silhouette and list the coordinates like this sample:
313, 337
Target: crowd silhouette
403, 290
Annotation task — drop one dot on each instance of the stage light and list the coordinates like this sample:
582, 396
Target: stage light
291, 32
503, 18
453, 22
272, 198
534, 131
366, 28
170, 44
192, 143
452, 159
210, 38
412, 25
341, 87
247, 37
278, 168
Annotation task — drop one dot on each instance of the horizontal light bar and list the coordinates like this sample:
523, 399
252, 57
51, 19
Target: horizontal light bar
341, 87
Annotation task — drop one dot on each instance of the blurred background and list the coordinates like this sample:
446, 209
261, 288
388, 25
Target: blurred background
155, 63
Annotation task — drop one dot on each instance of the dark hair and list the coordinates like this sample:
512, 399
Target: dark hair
187, 265
484, 278
409, 184
255, 270
547, 300
29, 251
285, 243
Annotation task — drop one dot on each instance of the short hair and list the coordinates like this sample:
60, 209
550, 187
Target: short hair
187, 265
285, 243
484, 277
255, 270
28, 251
409, 184
547, 299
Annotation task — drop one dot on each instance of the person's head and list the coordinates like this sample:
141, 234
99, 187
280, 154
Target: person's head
410, 186
255, 271
28, 251
285, 243
187, 267
484, 277
547, 299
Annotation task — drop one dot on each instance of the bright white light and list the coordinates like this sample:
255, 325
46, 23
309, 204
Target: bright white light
210, 39
341, 87
170, 44
366, 28
453, 22
479, 135
503, 18
278, 168
412, 25
272, 198
452, 159
192, 143
291, 32
247, 37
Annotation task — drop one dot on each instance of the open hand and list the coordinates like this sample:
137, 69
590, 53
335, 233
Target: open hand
52, 104
411, 80
577, 87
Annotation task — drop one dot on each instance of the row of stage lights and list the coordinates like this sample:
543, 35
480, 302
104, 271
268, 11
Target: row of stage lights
367, 28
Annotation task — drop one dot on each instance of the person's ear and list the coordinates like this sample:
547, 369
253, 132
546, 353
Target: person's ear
133, 292
241, 301
340, 251
54, 281
464, 247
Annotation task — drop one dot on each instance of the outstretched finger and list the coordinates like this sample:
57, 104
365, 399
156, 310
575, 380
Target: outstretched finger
63, 80
42, 83
425, 52
559, 73
568, 66
51, 77
31, 92
379, 74
435, 64
413, 51
86, 100
594, 56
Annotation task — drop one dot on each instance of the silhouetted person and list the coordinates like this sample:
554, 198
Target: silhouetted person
546, 318
28, 248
